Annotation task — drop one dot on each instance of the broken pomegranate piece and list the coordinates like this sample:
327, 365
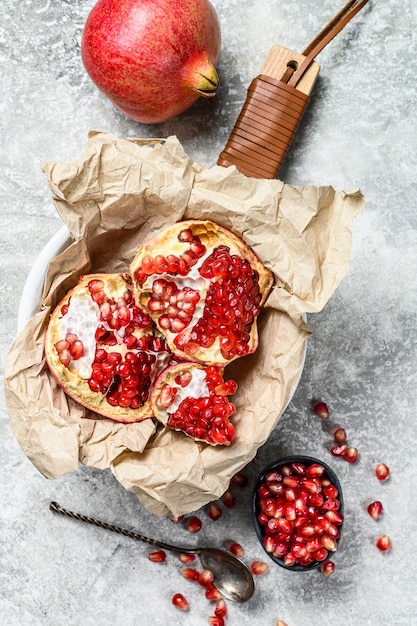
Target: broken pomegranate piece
104, 350
193, 398
204, 288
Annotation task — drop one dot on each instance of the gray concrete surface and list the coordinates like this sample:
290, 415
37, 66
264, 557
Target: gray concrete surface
359, 131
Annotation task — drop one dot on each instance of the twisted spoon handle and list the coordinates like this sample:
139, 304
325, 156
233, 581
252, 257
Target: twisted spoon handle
54, 506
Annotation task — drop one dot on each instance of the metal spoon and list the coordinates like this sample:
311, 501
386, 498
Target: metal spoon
231, 576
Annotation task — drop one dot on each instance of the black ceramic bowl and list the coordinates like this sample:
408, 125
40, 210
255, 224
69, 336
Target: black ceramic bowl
295, 465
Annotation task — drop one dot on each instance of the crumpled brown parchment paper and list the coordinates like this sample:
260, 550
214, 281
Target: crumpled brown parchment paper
115, 196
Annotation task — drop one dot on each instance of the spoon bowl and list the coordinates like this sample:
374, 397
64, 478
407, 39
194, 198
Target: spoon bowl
232, 577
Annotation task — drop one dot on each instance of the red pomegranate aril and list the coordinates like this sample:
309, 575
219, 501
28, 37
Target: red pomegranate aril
221, 608
315, 499
339, 450
334, 517
190, 573
205, 578
329, 543
236, 549
331, 504
375, 509
214, 511
239, 479
186, 558
180, 602
229, 499
330, 491
269, 542
158, 556
298, 468
258, 568
382, 471
315, 470
215, 620
321, 554
327, 568
291, 481
351, 454
290, 559
321, 410
333, 531
383, 543
306, 531
193, 524
289, 511
309, 484
212, 593
299, 550
339, 435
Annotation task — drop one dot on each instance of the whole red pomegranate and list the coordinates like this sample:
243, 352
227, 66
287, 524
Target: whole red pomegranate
152, 58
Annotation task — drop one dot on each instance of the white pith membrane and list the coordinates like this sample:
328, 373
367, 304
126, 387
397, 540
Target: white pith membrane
82, 318
196, 388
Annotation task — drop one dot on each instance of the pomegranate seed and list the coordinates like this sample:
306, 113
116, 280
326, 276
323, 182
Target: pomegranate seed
215, 620
327, 568
205, 578
339, 435
321, 410
214, 511
158, 556
290, 559
229, 499
221, 608
382, 471
351, 454
186, 558
212, 593
280, 622
375, 509
339, 450
190, 573
193, 524
258, 568
315, 470
179, 601
383, 543
239, 479
236, 549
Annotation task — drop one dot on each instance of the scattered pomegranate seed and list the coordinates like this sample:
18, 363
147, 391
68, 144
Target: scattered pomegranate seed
339, 435
190, 573
158, 556
229, 499
382, 471
239, 479
193, 524
221, 608
214, 511
321, 410
205, 578
215, 620
375, 509
236, 549
258, 568
212, 593
327, 568
339, 450
351, 454
179, 601
280, 622
186, 558
383, 543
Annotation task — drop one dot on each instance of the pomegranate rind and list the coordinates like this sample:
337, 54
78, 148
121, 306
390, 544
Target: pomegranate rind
170, 379
212, 236
83, 323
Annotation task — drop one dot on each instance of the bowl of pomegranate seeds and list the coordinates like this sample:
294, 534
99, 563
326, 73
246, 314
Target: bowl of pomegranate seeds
297, 509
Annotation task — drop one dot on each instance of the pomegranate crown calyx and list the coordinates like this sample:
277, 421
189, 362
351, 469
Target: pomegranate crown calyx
202, 78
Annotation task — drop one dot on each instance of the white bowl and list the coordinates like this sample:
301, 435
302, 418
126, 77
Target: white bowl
33, 287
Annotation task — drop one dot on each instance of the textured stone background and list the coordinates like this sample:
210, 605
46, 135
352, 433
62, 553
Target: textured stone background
359, 131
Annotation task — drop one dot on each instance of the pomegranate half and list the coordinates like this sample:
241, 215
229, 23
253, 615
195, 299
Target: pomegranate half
152, 58
204, 288
104, 350
193, 398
